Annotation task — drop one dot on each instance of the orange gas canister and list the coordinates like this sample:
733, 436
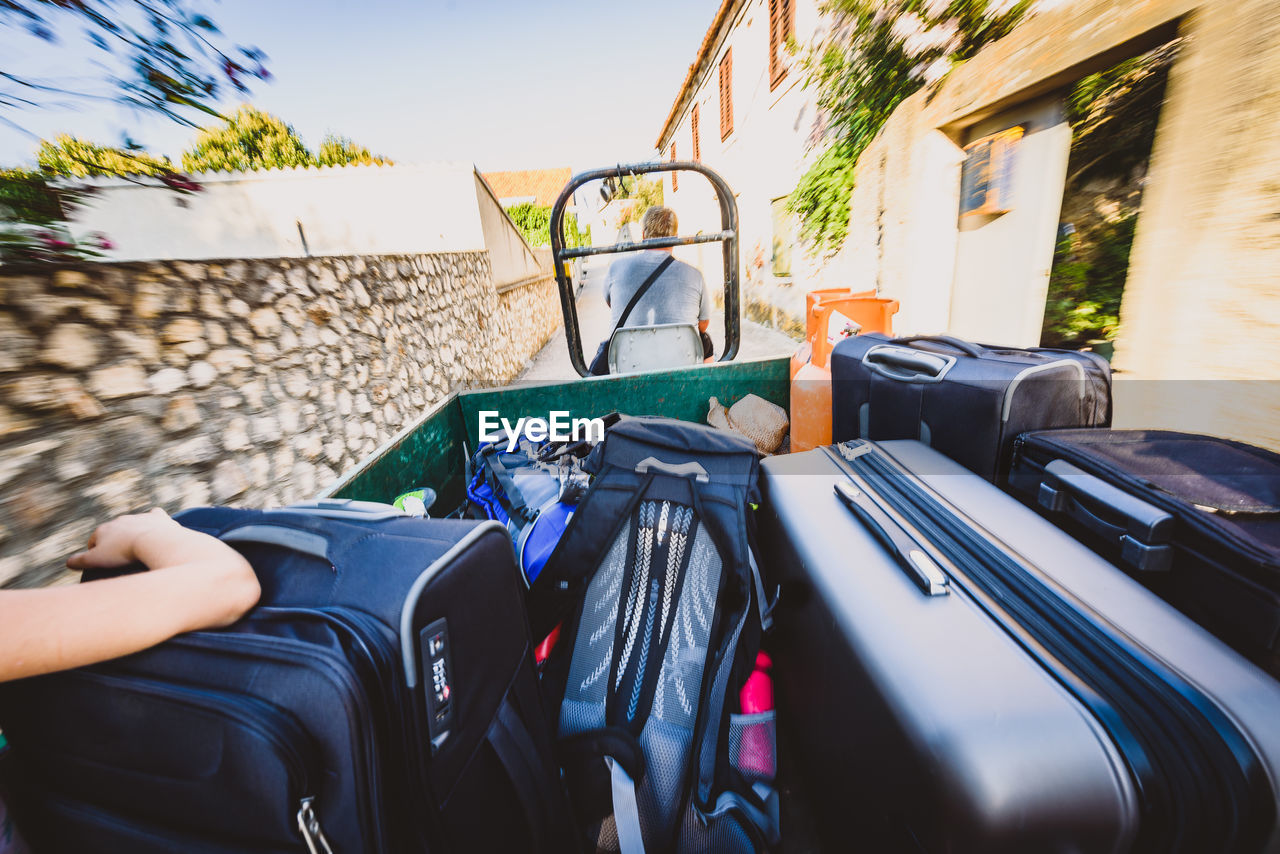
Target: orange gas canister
814, 318
832, 316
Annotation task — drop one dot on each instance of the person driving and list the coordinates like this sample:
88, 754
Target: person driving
679, 295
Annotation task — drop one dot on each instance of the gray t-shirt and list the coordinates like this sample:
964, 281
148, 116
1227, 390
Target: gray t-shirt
678, 296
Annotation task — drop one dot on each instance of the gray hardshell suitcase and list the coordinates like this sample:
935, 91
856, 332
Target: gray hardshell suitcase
971, 678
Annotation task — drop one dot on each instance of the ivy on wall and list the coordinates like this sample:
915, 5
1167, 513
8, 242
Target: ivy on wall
1113, 116
876, 56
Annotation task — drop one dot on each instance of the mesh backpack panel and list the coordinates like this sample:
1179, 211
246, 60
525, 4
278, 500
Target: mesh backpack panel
657, 569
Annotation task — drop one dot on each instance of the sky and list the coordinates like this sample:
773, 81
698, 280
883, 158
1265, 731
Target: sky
503, 84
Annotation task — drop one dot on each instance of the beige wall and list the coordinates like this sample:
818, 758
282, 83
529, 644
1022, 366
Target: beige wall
1003, 261
510, 257
1199, 346
761, 159
343, 211
1201, 314
255, 383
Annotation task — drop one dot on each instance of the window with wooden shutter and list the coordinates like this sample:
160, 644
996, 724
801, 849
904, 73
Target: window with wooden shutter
726, 94
782, 26
675, 182
697, 135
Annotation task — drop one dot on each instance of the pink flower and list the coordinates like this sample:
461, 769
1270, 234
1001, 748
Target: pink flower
103, 242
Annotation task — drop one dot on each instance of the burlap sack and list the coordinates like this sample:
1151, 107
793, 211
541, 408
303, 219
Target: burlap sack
718, 416
759, 420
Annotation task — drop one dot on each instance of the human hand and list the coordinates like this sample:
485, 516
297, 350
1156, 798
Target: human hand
113, 543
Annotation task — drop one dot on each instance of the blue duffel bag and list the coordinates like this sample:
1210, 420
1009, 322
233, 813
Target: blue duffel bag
532, 490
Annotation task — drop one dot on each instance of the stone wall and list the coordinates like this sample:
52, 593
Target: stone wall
126, 386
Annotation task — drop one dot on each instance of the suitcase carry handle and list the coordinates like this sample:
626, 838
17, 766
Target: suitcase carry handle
1144, 533
920, 568
965, 347
345, 508
303, 542
905, 364
309, 542
690, 469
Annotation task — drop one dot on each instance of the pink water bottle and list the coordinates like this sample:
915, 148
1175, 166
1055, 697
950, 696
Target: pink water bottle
757, 692
756, 746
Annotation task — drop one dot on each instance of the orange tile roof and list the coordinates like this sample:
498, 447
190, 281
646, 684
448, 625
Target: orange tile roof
543, 184
708, 42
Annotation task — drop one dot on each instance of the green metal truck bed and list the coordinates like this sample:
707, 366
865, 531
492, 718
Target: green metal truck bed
433, 451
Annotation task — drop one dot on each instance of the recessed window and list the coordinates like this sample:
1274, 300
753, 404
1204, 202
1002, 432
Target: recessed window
697, 135
986, 177
782, 26
780, 262
726, 94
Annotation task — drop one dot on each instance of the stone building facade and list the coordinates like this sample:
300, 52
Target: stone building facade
175, 384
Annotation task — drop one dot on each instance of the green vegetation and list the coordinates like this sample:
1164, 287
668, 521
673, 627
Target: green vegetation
33, 220
1087, 282
69, 157
26, 198
1113, 117
251, 139
640, 194
879, 54
248, 139
340, 151
534, 223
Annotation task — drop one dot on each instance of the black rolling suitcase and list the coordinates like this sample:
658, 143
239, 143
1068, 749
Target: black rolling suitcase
970, 401
381, 698
1195, 518
964, 676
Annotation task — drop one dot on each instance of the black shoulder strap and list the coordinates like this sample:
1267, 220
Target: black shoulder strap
640, 292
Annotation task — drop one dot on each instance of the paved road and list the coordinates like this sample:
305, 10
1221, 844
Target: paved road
552, 362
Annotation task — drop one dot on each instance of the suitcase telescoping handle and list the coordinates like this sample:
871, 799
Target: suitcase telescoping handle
1143, 531
919, 566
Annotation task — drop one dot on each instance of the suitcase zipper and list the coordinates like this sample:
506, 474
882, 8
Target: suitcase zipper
1189, 761
272, 724
374, 646
269, 722
309, 825
346, 678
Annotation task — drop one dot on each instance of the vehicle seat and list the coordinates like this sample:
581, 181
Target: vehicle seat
654, 348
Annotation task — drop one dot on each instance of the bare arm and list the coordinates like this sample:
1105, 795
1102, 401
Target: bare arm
195, 582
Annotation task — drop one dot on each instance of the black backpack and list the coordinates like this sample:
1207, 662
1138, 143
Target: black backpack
661, 612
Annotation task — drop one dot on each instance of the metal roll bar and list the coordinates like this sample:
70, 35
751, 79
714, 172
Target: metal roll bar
728, 236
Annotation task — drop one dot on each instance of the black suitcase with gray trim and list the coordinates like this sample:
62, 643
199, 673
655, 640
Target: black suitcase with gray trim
1195, 518
380, 699
964, 676
970, 401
